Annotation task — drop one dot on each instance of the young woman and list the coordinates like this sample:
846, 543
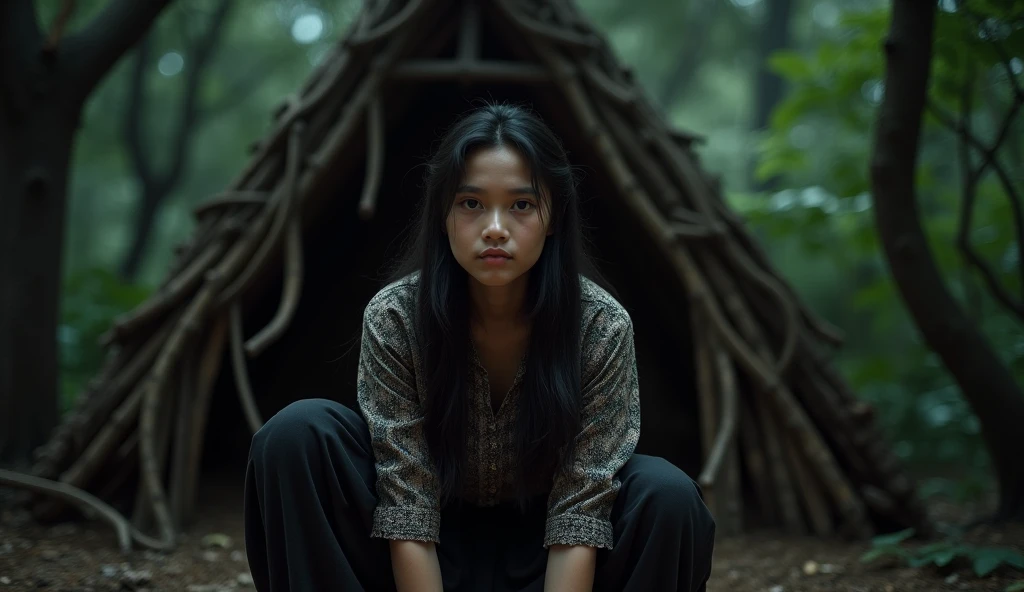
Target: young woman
499, 411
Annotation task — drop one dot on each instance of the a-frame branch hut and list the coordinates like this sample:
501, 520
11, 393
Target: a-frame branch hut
265, 300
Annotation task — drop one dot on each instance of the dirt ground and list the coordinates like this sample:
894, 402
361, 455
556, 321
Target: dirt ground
83, 556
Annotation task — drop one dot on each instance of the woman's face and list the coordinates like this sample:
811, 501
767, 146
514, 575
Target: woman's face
497, 227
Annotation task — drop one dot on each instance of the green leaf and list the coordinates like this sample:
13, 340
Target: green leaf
892, 539
986, 563
791, 65
943, 558
988, 559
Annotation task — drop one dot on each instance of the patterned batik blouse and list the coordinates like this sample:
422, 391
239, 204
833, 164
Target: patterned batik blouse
390, 392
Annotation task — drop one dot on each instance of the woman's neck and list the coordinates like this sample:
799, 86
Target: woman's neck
497, 307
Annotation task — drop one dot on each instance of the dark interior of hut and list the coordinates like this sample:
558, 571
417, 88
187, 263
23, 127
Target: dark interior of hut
346, 259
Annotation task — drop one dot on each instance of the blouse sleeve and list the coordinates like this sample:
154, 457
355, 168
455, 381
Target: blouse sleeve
580, 504
408, 506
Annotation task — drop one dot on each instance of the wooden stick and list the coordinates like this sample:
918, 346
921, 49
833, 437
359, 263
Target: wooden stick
792, 413
682, 214
209, 366
467, 52
52, 456
126, 460
114, 430
827, 332
726, 432
724, 454
786, 307
393, 24
159, 304
374, 157
753, 454
707, 403
818, 514
229, 200
783, 484
619, 94
242, 385
86, 502
548, 32
330, 84
689, 177
182, 436
142, 514
154, 388
292, 290
479, 71
662, 190
283, 213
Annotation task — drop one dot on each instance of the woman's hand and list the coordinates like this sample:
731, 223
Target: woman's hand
570, 568
415, 566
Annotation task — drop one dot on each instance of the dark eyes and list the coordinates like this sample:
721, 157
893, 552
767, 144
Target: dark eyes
521, 205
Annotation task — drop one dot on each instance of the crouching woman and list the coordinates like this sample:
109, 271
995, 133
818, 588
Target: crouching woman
493, 447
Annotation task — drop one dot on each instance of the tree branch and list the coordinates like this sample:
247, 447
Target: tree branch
200, 55
969, 195
97, 47
1004, 57
133, 117
972, 175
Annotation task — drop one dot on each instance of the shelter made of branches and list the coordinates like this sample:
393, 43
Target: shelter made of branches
736, 383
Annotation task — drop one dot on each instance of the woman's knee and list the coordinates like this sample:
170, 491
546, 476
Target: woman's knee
671, 494
296, 429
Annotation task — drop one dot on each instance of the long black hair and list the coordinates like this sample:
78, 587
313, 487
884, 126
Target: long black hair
550, 401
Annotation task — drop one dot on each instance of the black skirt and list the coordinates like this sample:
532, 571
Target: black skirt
310, 495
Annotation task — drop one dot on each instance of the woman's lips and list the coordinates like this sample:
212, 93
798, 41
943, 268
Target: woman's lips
496, 260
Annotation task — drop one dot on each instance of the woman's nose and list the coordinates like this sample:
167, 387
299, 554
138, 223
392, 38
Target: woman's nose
496, 228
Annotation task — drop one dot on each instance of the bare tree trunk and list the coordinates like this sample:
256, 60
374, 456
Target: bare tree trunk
769, 86
156, 185
984, 380
142, 231
32, 210
43, 85
700, 18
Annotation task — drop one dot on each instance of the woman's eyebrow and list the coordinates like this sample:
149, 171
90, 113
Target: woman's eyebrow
474, 189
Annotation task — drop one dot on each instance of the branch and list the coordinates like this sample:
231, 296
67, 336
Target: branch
726, 432
131, 125
242, 383
972, 175
157, 185
200, 56
126, 533
95, 49
1005, 58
